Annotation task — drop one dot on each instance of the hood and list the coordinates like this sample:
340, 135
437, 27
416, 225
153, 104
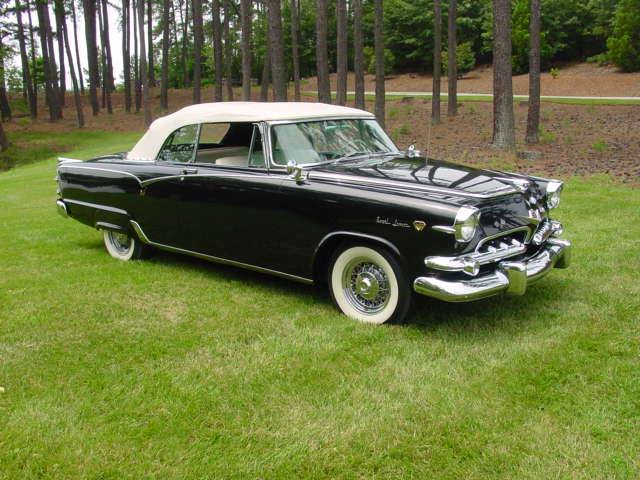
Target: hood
420, 175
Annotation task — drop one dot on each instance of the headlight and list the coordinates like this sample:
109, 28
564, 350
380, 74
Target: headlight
466, 223
554, 189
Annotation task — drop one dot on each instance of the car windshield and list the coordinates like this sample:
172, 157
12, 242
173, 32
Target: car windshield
325, 140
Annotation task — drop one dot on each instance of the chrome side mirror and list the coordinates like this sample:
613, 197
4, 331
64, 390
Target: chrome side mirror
412, 152
296, 172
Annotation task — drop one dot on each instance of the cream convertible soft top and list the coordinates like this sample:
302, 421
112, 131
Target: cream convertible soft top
149, 145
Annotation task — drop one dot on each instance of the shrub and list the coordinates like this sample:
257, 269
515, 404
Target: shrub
465, 59
601, 59
369, 58
624, 43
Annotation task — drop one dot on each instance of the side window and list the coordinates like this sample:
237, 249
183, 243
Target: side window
256, 155
211, 134
180, 145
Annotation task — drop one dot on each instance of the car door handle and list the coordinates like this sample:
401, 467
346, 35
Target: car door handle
190, 171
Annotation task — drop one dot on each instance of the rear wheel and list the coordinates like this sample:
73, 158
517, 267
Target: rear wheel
368, 285
122, 246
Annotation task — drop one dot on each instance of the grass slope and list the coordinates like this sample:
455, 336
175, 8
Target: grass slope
176, 368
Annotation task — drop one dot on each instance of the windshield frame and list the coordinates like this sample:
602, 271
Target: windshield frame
271, 124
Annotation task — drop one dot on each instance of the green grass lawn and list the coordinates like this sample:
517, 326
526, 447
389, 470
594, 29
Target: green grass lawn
176, 368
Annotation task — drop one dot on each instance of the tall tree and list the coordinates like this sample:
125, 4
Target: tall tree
107, 81
143, 66
503, 116
32, 43
322, 54
342, 48
217, 50
437, 60
4, 142
89, 7
358, 46
197, 48
152, 73
295, 49
164, 73
185, 29
265, 78
245, 25
228, 50
72, 73
28, 84
452, 61
58, 9
278, 69
75, 39
126, 54
5, 108
533, 116
48, 58
137, 86
378, 40
103, 56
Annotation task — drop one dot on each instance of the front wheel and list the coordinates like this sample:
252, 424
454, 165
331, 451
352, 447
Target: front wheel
122, 246
368, 285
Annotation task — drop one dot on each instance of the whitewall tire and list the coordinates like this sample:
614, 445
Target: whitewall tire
122, 246
368, 285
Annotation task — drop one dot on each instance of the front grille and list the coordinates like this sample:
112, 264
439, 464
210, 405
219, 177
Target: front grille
504, 241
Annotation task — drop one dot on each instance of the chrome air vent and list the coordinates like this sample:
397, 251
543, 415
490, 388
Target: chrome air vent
504, 240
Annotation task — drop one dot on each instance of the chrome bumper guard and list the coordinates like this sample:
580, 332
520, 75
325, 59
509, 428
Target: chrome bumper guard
510, 277
62, 208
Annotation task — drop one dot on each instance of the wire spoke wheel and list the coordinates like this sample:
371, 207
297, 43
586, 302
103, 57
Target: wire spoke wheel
366, 285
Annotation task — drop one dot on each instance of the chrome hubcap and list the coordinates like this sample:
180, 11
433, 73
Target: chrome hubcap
120, 241
366, 286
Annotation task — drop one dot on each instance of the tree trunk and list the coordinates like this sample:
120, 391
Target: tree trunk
164, 81
322, 55
143, 66
103, 56
503, 116
342, 47
196, 7
452, 61
228, 51
278, 69
72, 72
58, 9
265, 79
5, 108
107, 81
217, 50
48, 59
533, 117
185, 44
26, 71
32, 43
89, 7
379, 54
75, 37
245, 20
437, 60
152, 73
4, 142
136, 64
295, 49
358, 60
126, 55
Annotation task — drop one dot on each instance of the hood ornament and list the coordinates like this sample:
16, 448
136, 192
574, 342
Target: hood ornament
412, 152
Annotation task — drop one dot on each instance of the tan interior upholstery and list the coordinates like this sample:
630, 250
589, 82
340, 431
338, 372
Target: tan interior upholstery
230, 156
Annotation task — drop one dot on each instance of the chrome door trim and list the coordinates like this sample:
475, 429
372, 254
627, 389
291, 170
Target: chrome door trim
507, 190
110, 170
146, 183
143, 237
96, 206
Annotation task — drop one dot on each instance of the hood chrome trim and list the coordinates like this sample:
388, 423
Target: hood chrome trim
394, 184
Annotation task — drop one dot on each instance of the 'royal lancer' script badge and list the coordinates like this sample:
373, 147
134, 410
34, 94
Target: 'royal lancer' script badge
419, 225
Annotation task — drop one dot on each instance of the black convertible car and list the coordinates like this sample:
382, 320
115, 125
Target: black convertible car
319, 194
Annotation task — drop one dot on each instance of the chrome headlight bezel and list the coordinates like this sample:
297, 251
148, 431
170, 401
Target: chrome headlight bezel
553, 194
466, 224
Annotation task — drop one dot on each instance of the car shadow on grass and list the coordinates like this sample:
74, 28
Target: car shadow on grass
426, 313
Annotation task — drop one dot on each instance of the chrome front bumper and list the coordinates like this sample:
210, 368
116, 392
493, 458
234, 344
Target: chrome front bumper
509, 277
